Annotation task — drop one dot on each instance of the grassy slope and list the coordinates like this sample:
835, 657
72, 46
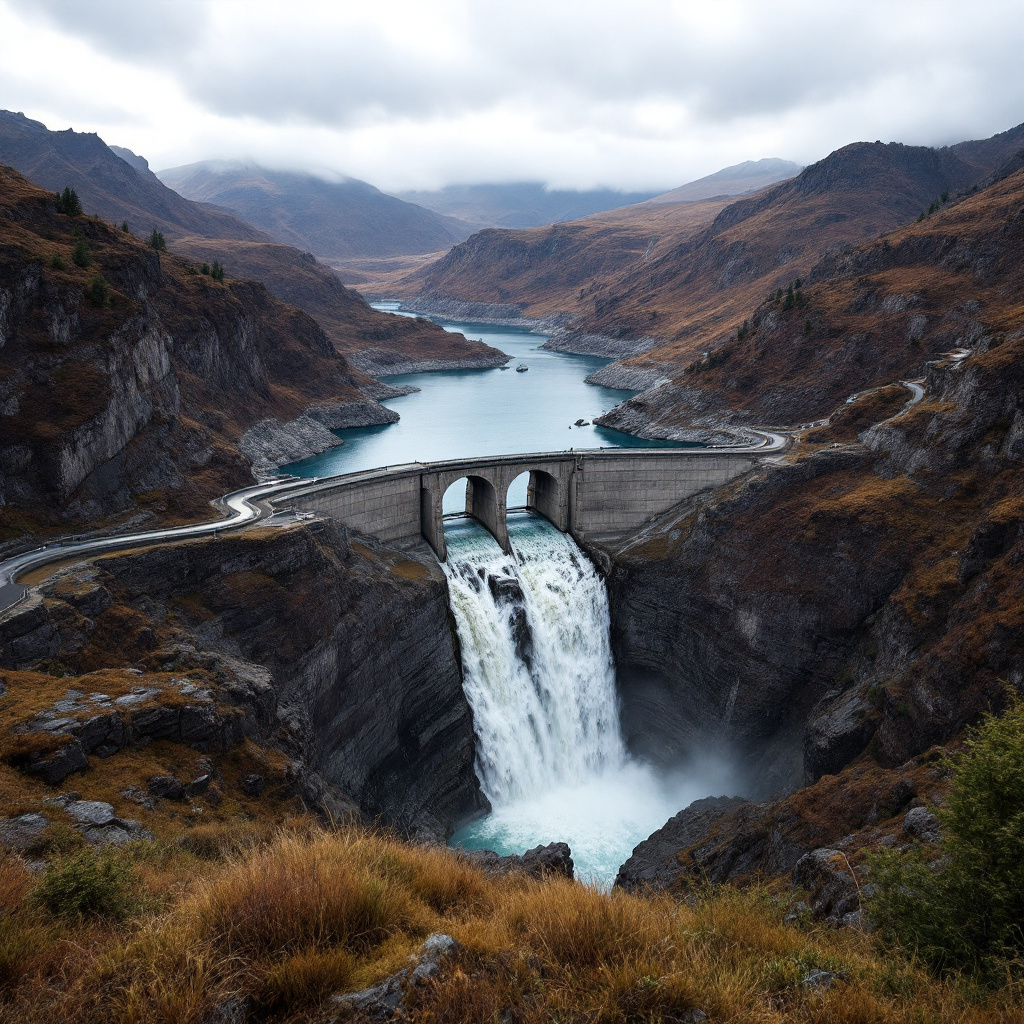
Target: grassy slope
350, 323
556, 269
282, 926
875, 314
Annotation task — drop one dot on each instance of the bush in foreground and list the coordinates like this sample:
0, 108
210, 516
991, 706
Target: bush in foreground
965, 911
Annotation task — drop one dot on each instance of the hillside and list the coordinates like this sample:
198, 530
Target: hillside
118, 185
128, 379
687, 295
331, 219
862, 319
549, 271
373, 342
107, 184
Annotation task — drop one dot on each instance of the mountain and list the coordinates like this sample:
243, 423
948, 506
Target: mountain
547, 271
118, 184
862, 318
332, 219
737, 180
373, 342
525, 204
691, 297
107, 184
689, 289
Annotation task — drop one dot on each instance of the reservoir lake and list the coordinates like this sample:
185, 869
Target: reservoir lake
468, 413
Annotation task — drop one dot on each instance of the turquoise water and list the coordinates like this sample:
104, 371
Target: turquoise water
465, 413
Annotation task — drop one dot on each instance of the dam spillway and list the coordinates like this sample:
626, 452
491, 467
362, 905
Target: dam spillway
534, 633
537, 665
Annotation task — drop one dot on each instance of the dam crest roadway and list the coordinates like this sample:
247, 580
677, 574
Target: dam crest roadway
588, 494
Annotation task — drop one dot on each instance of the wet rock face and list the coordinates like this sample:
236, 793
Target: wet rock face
728, 632
655, 862
540, 862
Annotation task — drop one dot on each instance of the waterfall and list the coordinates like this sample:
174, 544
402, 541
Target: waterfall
537, 664
537, 668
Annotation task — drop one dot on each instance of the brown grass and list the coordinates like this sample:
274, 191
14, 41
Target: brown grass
286, 923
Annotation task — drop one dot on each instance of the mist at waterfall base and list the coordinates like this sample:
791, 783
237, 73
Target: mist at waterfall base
534, 631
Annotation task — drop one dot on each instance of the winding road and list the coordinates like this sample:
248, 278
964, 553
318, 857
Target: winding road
243, 507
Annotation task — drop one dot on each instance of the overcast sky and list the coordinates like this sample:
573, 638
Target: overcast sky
645, 94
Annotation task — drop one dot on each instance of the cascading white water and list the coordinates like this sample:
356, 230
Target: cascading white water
536, 656
538, 673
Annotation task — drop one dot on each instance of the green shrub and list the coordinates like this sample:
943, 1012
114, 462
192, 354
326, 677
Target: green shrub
157, 241
98, 293
88, 884
80, 255
57, 261
965, 911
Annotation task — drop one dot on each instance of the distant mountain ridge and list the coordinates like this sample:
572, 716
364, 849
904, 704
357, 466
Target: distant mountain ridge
108, 184
736, 180
694, 283
331, 219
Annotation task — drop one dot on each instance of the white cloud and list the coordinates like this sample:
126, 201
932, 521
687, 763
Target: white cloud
648, 93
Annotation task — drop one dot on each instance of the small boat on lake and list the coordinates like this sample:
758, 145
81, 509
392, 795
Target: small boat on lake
522, 368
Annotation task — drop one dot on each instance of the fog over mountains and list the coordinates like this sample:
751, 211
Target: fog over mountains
339, 218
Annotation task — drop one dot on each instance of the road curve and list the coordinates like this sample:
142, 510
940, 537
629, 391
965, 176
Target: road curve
242, 507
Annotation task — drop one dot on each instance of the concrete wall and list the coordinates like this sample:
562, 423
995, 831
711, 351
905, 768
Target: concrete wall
589, 494
612, 495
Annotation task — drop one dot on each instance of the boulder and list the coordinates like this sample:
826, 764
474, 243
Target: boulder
252, 784
90, 812
23, 833
59, 764
386, 1000
921, 824
166, 787
540, 862
654, 862
825, 876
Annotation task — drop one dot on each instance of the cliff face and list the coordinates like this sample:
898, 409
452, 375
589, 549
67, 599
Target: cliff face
127, 377
343, 649
833, 617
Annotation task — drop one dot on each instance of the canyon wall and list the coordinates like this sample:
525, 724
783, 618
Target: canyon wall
341, 651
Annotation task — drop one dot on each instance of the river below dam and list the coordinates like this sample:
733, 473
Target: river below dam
533, 625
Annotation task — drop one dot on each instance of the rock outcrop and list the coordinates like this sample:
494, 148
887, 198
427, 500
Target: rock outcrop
335, 651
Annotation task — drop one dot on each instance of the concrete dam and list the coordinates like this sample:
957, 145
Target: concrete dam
587, 494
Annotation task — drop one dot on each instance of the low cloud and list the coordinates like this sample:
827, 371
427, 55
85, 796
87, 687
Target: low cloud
647, 95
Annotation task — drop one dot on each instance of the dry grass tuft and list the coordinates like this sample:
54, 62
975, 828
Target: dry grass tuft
281, 925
